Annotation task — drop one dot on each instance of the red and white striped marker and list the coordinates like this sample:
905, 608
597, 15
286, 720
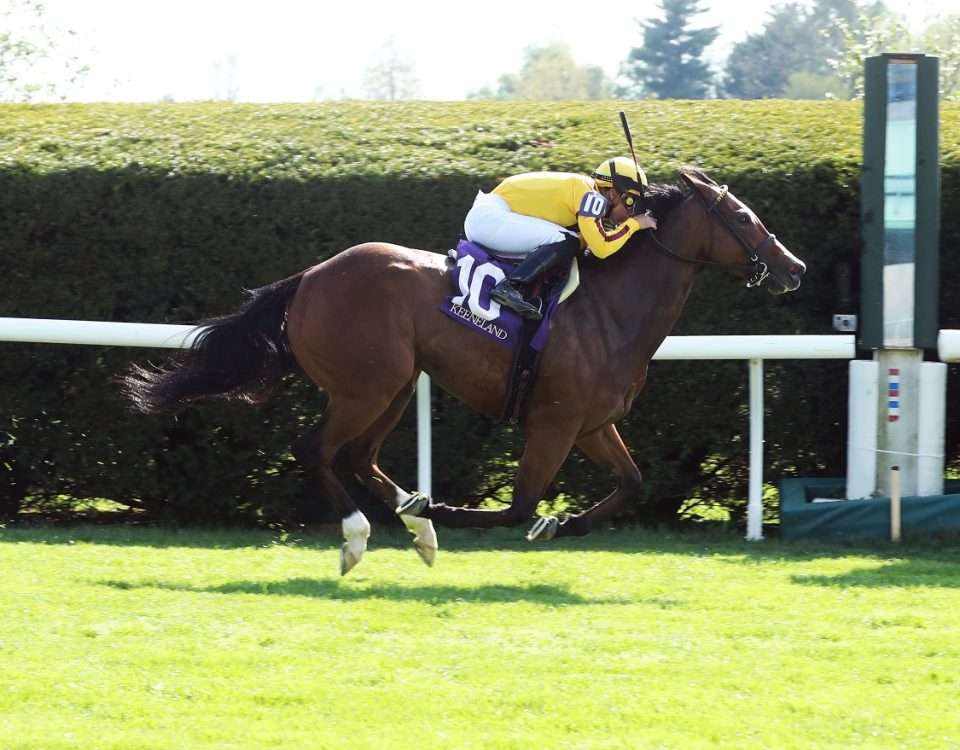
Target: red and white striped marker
893, 394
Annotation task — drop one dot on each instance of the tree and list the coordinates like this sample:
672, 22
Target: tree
789, 56
877, 31
942, 38
25, 44
549, 73
874, 30
803, 85
390, 77
669, 64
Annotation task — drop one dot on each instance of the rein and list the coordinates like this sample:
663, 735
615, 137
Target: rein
756, 268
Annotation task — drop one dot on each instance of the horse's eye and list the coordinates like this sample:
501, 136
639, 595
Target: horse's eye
743, 220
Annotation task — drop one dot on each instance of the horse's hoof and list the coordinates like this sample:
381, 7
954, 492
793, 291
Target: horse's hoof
414, 505
424, 537
348, 559
544, 529
427, 553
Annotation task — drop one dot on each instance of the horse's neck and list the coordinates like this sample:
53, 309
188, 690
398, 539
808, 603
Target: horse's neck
647, 293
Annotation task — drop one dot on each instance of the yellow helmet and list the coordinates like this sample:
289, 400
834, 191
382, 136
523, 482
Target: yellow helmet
621, 173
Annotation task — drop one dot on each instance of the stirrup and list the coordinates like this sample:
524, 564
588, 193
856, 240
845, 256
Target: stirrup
512, 298
414, 505
544, 529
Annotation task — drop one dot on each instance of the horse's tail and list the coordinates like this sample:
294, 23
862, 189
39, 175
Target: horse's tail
241, 356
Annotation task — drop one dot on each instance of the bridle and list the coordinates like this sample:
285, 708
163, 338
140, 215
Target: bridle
757, 269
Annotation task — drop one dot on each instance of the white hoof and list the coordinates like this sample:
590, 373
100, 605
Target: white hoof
427, 554
356, 530
348, 558
424, 539
544, 529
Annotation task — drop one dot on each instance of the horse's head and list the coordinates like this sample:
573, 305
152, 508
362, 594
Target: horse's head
739, 241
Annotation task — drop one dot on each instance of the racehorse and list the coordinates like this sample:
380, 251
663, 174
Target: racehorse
364, 323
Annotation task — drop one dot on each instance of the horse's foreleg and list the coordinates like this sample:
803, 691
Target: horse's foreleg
342, 421
605, 448
362, 455
545, 452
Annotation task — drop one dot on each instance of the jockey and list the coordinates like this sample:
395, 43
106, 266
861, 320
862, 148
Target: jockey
544, 218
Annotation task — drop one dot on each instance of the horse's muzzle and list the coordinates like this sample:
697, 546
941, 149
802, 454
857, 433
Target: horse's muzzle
786, 270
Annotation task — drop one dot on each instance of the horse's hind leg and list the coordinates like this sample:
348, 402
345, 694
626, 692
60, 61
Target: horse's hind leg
343, 420
362, 455
546, 450
605, 448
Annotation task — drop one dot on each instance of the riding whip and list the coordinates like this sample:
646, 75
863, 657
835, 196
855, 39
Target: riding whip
626, 132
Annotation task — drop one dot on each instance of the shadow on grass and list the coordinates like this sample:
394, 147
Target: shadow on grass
330, 589
696, 540
899, 574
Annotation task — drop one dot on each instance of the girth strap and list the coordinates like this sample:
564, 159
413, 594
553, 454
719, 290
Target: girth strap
523, 376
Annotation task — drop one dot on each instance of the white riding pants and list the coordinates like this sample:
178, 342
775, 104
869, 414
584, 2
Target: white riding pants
492, 223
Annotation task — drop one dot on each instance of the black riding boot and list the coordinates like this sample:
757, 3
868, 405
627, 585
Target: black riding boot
509, 291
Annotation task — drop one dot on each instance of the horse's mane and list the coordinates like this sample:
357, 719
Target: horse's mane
661, 199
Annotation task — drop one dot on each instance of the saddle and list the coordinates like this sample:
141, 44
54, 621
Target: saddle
476, 271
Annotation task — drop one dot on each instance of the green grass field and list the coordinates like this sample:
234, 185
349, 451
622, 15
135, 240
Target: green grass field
145, 638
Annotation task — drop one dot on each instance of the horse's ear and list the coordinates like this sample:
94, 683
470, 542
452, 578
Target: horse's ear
694, 176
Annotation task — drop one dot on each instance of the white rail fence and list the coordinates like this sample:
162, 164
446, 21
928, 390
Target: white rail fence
948, 346
754, 349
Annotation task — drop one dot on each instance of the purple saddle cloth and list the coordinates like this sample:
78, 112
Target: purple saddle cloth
474, 276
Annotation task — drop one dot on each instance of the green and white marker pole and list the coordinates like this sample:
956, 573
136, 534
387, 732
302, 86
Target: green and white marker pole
897, 400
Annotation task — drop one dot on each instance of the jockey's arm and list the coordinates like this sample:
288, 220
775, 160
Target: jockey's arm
603, 242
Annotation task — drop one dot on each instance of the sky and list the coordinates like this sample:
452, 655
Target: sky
304, 50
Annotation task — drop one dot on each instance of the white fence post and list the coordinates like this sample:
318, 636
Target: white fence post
755, 486
424, 436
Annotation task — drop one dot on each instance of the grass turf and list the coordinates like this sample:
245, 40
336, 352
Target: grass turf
146, 638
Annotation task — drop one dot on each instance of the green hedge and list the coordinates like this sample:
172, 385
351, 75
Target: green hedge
165, 213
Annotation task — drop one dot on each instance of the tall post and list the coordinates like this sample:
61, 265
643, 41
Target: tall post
900, 203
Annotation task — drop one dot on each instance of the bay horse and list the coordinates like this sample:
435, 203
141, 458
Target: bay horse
364, 323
